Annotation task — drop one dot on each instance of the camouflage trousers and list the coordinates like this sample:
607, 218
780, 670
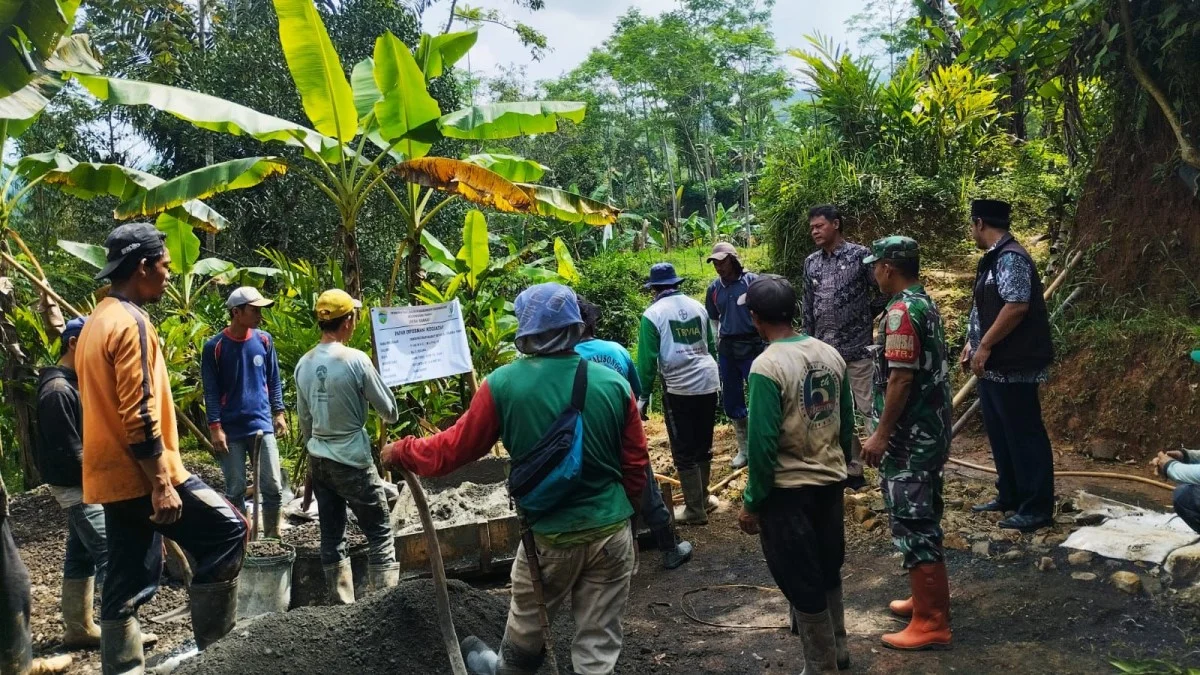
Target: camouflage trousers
914, 506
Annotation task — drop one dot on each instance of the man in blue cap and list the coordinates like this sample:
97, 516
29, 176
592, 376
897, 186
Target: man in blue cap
675, 338
60, 462
739, 342
1183, 467
584, 543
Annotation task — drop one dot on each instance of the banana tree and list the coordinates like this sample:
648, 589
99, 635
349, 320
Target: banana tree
380, 123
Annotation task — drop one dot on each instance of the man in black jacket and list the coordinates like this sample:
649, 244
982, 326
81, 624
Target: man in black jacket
59, 457
1009, 349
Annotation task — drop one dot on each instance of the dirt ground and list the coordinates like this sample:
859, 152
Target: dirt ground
1009, 615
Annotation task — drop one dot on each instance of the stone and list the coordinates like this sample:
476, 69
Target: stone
1055, 539
1063, 519
1113, 564
1184, 564
981, 548
1046, 564
1103, 449
1127, 582
1081, 558
872, 524
956, 542
1083, 576
1152, 585
998, 536
1014, 554
862, 514
1089, 519
955, 504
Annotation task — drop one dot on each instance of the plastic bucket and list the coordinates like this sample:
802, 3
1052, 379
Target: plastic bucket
265, 584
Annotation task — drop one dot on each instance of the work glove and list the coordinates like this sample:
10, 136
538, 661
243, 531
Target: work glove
643, 406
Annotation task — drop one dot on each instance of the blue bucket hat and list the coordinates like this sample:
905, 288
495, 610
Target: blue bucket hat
663, 274
545, 307
73, 328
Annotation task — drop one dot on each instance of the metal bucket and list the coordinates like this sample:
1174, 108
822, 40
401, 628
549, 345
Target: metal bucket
265, 584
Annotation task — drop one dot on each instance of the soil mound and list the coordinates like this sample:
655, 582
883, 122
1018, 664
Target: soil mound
390, 632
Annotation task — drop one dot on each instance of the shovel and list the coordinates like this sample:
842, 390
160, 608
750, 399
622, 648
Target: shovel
254, 449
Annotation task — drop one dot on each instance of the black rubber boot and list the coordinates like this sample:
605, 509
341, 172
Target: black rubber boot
674, 551
214, 609
121, 647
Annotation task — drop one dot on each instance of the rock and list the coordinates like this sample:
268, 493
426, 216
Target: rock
1014, 554
1083, 576
1184, 564
1063, 519
1081, 558
872, 524
998, 536
1104, 449
1113, 564
955, 503
1089, 519
956, 542
862, 514
1189, 596
994, 516
1152, 585
877, 504
1046, 564
981, 548
1055, 539
1127, 582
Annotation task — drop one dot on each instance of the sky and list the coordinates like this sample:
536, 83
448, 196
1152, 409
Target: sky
574, 27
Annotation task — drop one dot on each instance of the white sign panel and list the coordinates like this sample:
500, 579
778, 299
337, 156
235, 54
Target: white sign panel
419, 343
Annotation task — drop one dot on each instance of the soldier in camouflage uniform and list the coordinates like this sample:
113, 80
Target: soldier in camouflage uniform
911, 441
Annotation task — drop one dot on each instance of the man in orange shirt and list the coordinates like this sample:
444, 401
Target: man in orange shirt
131, 461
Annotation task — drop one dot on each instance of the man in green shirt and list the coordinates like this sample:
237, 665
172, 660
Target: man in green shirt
911, 441
800, 426
585, 543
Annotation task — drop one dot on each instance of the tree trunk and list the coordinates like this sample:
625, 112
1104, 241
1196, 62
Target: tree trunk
353, 266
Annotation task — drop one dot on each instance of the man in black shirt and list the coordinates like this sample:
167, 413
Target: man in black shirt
59, 457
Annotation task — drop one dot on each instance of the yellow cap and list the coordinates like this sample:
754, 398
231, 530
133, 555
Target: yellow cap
335, 303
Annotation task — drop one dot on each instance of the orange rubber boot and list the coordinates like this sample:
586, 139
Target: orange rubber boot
930, 625
902, 608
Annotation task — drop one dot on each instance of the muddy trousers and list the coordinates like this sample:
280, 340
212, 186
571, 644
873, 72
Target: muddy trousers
337, 486
208, 529
803, 540
15, 654
269, 479
595, 576
1187, 504
690, 421
914, 504
87, 543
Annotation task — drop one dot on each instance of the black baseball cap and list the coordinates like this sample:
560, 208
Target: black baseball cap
131, 239
771, 297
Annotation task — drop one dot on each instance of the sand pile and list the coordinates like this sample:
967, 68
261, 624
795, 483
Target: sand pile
467, 503
391, 632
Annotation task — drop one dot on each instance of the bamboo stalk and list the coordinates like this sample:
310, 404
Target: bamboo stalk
41, 285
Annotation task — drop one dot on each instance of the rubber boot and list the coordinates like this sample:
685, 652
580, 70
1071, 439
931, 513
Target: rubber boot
930, 624
214, 608
516, 661
271, 519
79, 628
820, 651
16, 642
739, 431
691, 481
711, 502
383, 576
478, 657
674, 551
50, 664
339, 582
837, 616
902, 608
121, 647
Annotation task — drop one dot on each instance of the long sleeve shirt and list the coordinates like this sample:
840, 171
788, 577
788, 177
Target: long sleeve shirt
128, 410
334, 385
841, 298
517, 404
242, 387
1187, 471
801, 419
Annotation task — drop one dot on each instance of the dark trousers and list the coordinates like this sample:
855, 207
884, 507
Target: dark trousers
1012, 414
87, 544
690, 421
337, 486
209, 529
734, 375
654, 510
14, 604
913, 500
802, 535
1187, 504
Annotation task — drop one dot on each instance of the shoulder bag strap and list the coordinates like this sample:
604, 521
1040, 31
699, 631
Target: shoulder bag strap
579, 391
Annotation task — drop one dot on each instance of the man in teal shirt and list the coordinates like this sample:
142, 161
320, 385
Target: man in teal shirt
334, 384
800, 426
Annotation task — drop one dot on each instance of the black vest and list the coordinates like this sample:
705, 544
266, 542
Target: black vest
1029, 346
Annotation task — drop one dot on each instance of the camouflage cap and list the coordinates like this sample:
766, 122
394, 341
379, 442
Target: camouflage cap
893, 248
